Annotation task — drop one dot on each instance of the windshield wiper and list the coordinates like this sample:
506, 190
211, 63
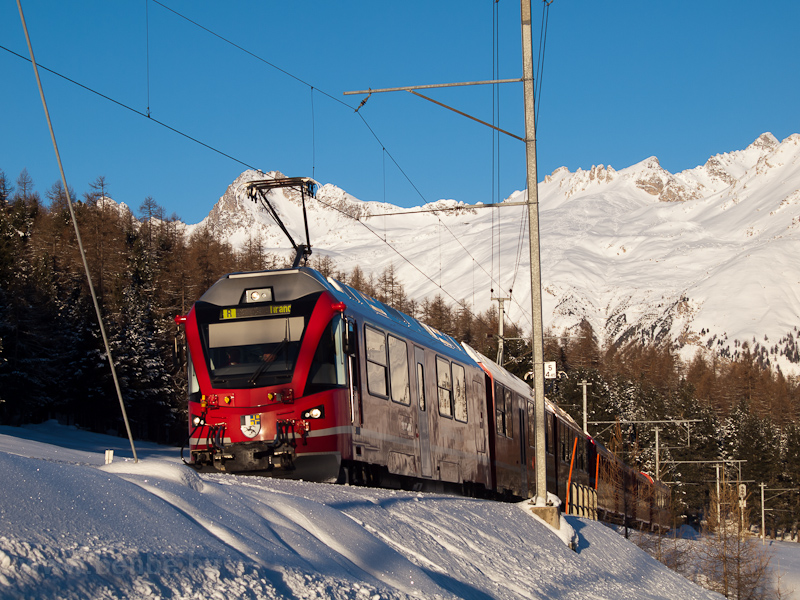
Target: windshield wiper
266, 361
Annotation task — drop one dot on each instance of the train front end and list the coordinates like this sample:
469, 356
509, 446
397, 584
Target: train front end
268, 381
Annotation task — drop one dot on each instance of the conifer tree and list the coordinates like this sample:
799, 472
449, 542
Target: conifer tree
437, 313
143, 374
9, 238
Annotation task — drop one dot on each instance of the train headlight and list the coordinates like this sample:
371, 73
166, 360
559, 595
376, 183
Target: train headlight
196, 421
318, 412
259, 295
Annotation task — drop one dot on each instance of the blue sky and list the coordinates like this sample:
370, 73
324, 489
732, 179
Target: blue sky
622, 81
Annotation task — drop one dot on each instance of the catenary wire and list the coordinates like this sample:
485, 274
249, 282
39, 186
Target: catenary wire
246, 51
377, 138
147, 49
313, 137
402, 171
383, 147
138, 112
243, 163
407, 260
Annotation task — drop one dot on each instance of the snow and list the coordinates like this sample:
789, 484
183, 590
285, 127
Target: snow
785, 565
73, 527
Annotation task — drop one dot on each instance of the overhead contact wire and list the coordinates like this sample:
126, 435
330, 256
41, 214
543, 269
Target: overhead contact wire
246, 51
138, 112
243, 163
407, 260
363, 119
237, 160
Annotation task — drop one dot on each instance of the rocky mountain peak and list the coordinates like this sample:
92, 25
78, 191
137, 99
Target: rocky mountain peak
703, 259
766, 141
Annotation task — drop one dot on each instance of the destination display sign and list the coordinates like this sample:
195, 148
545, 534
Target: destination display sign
247, 312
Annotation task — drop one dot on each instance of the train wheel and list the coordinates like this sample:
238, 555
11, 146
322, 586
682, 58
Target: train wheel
344, 477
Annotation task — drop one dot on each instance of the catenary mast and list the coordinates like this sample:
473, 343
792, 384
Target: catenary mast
540, 462
537, 345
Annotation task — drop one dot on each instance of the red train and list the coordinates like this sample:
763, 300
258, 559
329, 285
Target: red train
292, 374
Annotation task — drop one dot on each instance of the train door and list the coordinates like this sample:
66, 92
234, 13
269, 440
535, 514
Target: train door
423, 428
523, 445
480, 401
555, 443
351, 345
530, 441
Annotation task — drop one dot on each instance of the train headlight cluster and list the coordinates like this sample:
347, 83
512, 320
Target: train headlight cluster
259, 295
318, 412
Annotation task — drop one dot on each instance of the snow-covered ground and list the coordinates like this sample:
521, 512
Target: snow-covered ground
785, 563
72, 527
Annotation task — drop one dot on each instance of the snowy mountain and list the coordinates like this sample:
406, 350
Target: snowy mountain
704, 258
73, 527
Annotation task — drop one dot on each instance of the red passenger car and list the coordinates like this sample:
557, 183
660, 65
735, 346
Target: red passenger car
292, 374
301, 376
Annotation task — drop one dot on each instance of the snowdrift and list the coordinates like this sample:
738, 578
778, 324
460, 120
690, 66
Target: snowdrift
72, 527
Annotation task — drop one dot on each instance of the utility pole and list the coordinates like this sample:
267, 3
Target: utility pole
500, 338
763, 524
658, 464
584, 383
537, 344
686, 422
719, 516
763, 500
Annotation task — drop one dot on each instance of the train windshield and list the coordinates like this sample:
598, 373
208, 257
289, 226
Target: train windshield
244, 353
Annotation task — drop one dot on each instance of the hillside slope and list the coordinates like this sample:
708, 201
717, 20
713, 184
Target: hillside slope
72, 527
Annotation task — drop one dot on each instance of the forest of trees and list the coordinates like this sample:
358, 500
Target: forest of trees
744, 412
146, 270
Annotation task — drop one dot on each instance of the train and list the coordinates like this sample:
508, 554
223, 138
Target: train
297, 375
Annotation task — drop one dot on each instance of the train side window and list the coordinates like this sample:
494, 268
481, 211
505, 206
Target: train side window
444, 383
500, 409
421, 386
584, 454
460, 393
531, 424
327, 368
549, 442
509, 414
398, 371
376, 362
194, 386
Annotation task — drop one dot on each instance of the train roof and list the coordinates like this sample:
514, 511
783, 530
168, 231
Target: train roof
499, 373
511, 381
301, 281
